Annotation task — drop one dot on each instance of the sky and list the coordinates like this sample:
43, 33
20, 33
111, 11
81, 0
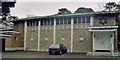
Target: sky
24, 8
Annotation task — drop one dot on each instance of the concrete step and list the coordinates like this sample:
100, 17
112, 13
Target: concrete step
116, 53
99, 54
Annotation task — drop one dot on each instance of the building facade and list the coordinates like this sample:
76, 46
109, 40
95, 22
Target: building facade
83, 32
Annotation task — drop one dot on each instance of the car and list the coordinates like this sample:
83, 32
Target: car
57, 49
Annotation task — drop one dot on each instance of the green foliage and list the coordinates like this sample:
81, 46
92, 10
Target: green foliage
63, 11
83, 10
118, 7
112, 6
6, 6
14, 18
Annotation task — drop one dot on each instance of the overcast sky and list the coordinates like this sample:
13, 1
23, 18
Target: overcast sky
49, 7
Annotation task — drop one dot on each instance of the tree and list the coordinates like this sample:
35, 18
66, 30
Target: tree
63, 11
13, 18
83, 10
118, 7
110, 6
6, 10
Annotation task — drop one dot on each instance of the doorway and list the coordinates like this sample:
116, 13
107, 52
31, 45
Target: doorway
103, 41
3, 45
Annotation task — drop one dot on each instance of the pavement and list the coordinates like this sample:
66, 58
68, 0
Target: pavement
22, 54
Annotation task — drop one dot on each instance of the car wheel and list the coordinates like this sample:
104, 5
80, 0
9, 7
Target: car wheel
66, 51
60, 52
50, 53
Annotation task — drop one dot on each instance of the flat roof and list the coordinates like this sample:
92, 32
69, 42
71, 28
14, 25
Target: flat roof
89, 13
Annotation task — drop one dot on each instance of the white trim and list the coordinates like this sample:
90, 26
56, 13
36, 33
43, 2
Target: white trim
25, 26
54, 35
45, 50
6, 35
91, 20
114, 22
93, 43
39, 35
72, 35
14, 48
112, 42
20, 48
9, 32
103, 27
32, 49
10, 49
102, 30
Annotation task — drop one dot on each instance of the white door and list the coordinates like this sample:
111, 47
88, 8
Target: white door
102, 40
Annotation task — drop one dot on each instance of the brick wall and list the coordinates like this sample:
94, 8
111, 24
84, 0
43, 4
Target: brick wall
63, 36
32, 38
19, 27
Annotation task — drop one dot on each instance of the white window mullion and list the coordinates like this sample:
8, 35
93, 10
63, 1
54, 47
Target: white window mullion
66, 20
50, 21
59, 21
81, 19
85, 19
35, 23
32, 23
77, 20
43, 22
63, 21
91, 20
47, 22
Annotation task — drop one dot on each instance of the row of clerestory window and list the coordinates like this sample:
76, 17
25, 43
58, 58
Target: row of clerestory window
60, 21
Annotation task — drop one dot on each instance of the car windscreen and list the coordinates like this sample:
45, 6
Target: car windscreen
54, 46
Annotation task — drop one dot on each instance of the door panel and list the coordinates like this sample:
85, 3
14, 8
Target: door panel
103, 40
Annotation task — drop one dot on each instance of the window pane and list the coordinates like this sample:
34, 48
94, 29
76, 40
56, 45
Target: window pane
88, 19
69, 20
33, 22
57, 21
61, 20
28, 23
45, 22
75, 20
52, 22
83, 19
79, 19
37, 23
48, 21
41, 22
65, 20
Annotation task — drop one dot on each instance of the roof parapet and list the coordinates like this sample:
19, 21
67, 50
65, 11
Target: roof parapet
88, 13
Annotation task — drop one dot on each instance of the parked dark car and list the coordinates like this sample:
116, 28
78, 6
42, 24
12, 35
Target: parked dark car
57, 49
